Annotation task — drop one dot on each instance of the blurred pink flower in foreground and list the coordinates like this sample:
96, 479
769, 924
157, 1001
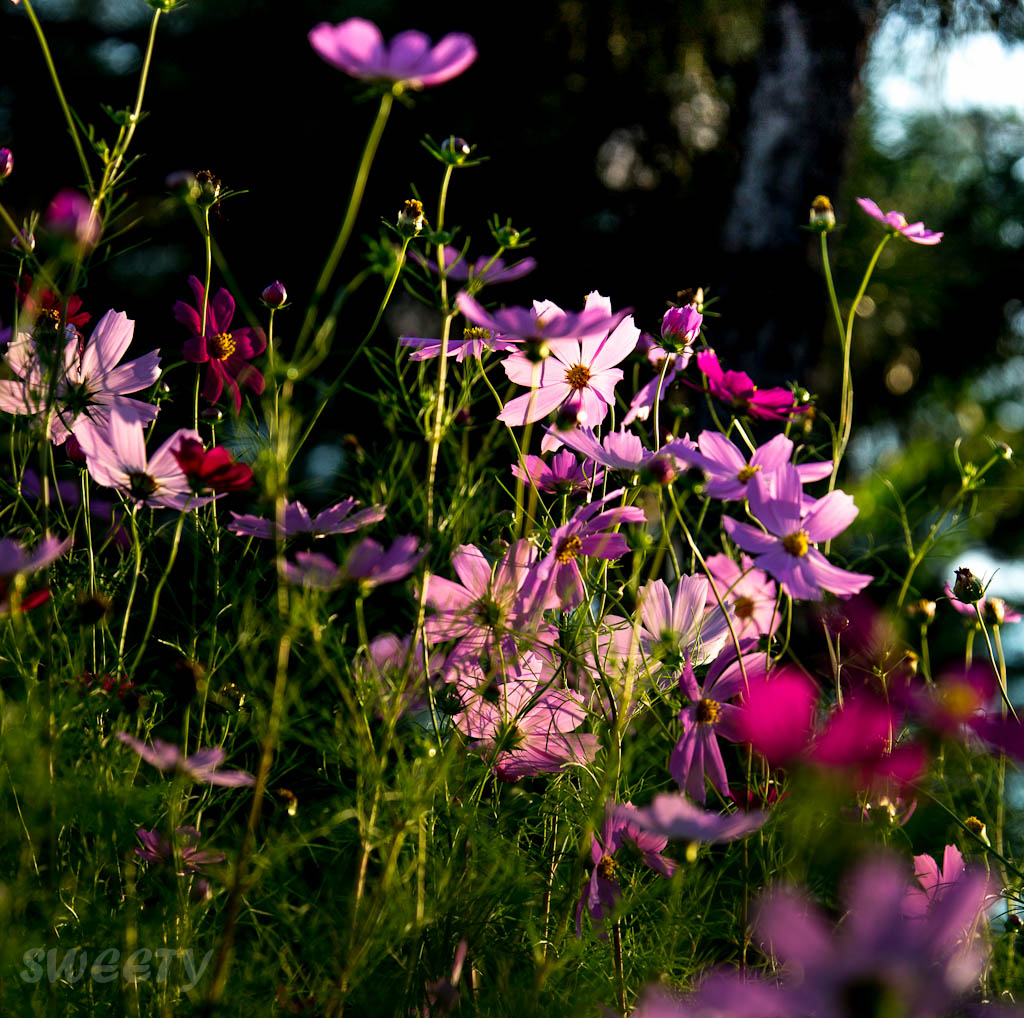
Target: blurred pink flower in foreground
201, 766
918, 233
357, 47
338, 519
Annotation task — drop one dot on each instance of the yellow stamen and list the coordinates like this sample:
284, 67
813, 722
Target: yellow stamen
708, 712
568, 550
796, 543
746, 473
220, 347
578, 376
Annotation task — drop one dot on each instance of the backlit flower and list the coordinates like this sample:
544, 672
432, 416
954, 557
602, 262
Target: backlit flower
738, 390
201, 766
918, 233
357, 47
338, 519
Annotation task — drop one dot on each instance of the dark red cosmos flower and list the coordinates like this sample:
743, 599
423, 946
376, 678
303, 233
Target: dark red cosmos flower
225, 351
214, 468
46, 304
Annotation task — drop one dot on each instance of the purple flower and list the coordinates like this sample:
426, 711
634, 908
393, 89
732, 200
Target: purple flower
921, 967
786, 551
370, 564
602, 891
338, 519
475, 342
585, 534
225, 352
738, 390
676, 818
72, 216
728, 472
581, 369
275, 295
565, 475
357, 47
155, 848
920, 898
116, 458
6, 162
16, 562
311, 569
92, 380
620, 450
896, 221
484, 270
201, 766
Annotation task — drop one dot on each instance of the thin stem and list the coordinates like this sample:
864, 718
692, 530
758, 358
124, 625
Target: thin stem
657, 401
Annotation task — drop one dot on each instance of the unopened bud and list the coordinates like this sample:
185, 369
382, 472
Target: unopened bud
410, 218
994, 610
661, 471
6, 163
680, 327
74, 451
570, 415
208, 187
923, 609
1004, 450
23, 242
212, 414
975, 826
455, 150
274, 296
823, 217
967, 587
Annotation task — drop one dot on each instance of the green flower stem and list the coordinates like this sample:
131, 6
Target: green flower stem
999, 672
68, 116
153, 608
846, 399
203, 311
657, 401
137, 549
356, 199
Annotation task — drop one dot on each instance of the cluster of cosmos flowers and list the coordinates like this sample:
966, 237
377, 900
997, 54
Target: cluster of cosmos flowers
526, 662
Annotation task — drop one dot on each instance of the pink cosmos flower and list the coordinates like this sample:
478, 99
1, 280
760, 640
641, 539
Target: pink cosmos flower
580, 369
679, 626
676, 818
708, 716
458, 269
155, 848
116, 458
15, 562
475, 343
72, 216
738, 390
90, 382
338, 519
602, 891
748, 590
201, 766
931, 883
565, 475
311, 569
369, 564
896, 221
728, 472
786, 551
585, 534
357, 47
531, 729
621, 450
226, 352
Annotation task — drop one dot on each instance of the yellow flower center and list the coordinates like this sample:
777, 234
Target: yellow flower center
796, 543
475, 332
578, 376
606, 867
708, 712
220, 347
568, 549
960, 699
746, 473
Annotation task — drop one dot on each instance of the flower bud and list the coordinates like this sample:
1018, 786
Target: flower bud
680, 326
994, 610
71, 217
410, 218
661, 471
822, 218
208, 187
975, 826
455, 150
6, 163
570, 415
1004, 450
23, 242
74, 451
536, 349
212, 414
967, 587
274, 296
923, 608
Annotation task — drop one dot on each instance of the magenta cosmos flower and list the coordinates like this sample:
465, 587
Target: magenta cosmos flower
787, 551
585, 534
622, 450
602, 891
357, 47
484, 270
738, 390
579, 370
338, 519
201, 766
116, 458
155, 848
565, 475
896, 221
92, 380
226, 352
750, 593
368, 564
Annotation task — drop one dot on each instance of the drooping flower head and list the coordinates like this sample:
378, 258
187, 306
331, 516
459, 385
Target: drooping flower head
918, 233
357, 47
225, 351
90, 382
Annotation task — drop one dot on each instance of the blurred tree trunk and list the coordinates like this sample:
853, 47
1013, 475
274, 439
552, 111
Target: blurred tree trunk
798, 124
